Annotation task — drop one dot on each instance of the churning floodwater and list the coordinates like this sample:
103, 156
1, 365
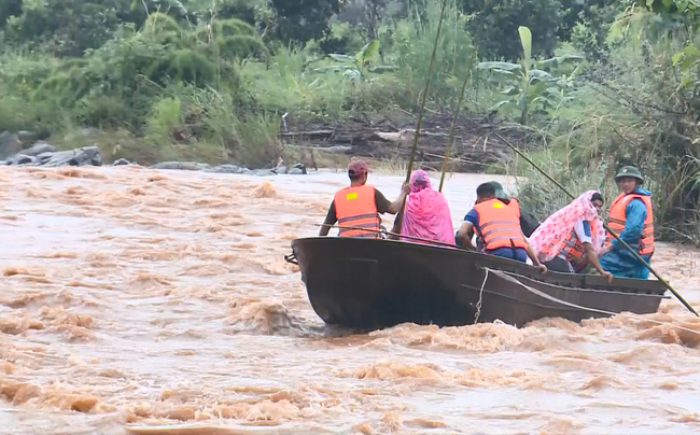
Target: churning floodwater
132, 297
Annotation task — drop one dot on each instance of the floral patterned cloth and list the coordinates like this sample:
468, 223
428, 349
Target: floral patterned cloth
548, 239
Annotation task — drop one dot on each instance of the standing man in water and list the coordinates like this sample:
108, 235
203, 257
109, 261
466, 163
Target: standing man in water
359, 205
631, 217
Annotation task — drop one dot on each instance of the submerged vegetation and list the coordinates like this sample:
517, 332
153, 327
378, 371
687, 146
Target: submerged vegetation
596, 84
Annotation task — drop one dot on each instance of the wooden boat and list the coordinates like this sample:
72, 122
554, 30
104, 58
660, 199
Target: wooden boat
371, 283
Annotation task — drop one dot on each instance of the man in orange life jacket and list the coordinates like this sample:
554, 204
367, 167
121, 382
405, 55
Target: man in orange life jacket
528, 223
498, 226
358, 206
631, 217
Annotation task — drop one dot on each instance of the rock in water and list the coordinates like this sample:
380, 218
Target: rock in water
34, 155
88, 156
41, 158
262, 172
121, 162
183, 166
9, 145
227, 169
21, 160
298, 169
39, 148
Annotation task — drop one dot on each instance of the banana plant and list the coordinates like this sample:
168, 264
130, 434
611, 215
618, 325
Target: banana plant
528, 83
358, 66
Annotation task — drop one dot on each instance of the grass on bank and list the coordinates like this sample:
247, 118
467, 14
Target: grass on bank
237, 107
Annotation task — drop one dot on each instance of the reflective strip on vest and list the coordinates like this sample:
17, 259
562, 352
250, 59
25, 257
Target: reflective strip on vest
573, 250
499, 225
355, 207
618, 217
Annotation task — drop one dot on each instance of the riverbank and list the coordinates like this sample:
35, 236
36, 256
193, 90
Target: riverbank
383, 138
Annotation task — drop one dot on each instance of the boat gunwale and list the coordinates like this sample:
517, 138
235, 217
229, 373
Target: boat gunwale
584, 289
574, 289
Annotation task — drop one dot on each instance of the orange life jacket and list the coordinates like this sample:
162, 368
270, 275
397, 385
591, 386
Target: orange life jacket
499, 225
573, 249
516, 205
355, 206
618, 217
512, 203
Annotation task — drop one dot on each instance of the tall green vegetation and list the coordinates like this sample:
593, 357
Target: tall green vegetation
640, 107
594, 84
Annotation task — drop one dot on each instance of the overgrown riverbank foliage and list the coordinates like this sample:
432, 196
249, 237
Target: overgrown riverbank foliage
219, 79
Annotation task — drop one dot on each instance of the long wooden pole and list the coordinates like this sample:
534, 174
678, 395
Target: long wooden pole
418, 239
455, 117
426, 88
628, 247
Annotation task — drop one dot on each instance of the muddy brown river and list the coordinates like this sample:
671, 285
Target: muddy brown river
142, 301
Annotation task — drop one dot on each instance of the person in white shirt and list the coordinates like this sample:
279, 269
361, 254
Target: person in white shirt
571, 238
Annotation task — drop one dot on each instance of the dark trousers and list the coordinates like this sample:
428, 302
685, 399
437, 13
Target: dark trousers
558, 264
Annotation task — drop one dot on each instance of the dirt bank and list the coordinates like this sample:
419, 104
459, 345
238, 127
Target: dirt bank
391, 137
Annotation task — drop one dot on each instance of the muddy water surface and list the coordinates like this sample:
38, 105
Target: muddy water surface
131, 297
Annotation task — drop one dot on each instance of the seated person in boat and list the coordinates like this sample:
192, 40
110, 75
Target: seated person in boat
631, 217
498, 226
356, 208
572, 237
426, 214
528, 223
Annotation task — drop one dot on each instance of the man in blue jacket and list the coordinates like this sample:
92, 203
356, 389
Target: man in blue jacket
631, 217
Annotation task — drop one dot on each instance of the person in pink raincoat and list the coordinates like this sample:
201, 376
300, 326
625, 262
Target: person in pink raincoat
572, 237
426, 215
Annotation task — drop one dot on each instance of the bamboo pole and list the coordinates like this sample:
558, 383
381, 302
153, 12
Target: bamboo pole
419, 239
628, 247
426, 88
455, 117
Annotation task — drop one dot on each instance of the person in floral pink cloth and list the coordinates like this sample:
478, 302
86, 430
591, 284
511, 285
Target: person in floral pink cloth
572, 237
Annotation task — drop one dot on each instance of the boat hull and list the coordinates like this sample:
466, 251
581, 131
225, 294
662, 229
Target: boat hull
370, 283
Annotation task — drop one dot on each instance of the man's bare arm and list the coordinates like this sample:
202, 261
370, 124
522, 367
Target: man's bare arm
533, 256
395, 206
464, 234
593, 259
329, 222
